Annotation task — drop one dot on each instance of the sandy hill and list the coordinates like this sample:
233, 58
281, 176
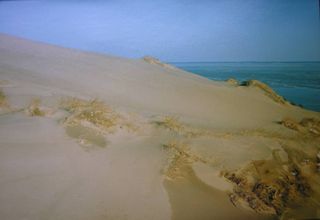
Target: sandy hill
91, 136
136, 83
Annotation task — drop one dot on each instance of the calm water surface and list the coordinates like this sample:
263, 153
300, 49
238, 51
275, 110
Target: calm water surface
298, 82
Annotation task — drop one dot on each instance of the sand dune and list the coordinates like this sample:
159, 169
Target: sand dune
91, 136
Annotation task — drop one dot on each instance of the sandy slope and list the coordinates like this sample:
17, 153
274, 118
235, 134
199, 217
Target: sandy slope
136, 84
50, 172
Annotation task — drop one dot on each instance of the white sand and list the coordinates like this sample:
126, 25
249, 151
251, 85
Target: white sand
45, 174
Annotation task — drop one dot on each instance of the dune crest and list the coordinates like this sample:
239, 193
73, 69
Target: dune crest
155, 61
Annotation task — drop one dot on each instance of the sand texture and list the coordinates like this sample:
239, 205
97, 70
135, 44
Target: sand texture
91, 136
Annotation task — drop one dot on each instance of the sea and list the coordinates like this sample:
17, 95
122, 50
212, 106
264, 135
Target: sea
298, 82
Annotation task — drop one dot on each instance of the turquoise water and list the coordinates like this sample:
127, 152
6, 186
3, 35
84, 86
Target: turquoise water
298, 82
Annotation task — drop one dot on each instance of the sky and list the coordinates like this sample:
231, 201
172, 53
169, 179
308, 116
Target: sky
173, 30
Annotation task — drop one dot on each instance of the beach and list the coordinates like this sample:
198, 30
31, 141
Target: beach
90, 136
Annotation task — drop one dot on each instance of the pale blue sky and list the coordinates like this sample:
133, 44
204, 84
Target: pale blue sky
181, 30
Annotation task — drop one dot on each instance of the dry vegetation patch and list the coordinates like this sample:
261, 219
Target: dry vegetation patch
34, 108
267, 90
93, 112
309, 126
90, 120
180, 155
278, 186
3, 99
173, 123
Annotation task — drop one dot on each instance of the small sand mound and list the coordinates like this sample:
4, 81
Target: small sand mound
305, 126
279, 187
267, 90
232, 82
155, 61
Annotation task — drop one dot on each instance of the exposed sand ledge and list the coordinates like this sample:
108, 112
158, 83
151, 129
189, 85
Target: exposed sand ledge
88, 136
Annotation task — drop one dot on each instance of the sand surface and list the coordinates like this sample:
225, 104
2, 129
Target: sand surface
90, 136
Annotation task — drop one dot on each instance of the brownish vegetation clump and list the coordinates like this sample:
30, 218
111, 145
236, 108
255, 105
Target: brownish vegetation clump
171, 123
3, 100
279, 187
312, 125
232, 82
34, 108
180, 155
306, 125
267, 90
177, 158
92, 112
88, 121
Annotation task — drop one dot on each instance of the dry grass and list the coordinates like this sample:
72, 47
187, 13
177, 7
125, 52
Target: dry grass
279, 186
90, 120
34, 108
3, 98
310, 126
267, 90
176, 160
93, 112
171, 123
180, 156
